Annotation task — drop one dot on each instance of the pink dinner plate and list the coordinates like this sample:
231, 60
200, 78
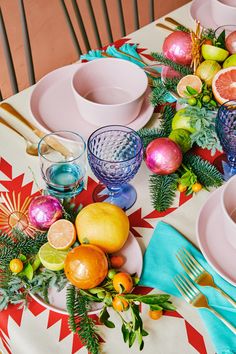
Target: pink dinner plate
212, 241
53, 105
133, 264
200, 11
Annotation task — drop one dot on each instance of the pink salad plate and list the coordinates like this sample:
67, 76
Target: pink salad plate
53, 105
132, 254
200, 10
212, 241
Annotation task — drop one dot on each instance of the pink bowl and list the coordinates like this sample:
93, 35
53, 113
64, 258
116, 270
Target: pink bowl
109, 91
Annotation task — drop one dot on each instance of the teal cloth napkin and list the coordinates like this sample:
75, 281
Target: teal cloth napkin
161, 265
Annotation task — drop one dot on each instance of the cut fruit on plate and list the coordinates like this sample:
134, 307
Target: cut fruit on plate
188, 84
61, 234
51, 258
224, 85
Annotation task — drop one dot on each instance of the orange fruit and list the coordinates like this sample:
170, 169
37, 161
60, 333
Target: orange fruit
104, 225
119, 304
224, 85
61, 234
189, 80
86, 266
196, 187
16, 265
123, 283
155, 314
117, 261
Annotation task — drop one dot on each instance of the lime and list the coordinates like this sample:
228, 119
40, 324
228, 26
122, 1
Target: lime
51, 258
182, 121
182, 138
230, 61
210, 52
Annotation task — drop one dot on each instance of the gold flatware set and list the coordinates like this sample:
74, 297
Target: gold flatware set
199, 276
169, 20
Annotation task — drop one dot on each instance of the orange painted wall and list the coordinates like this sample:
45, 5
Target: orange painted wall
50, 38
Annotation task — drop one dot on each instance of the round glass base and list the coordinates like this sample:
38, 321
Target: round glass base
221, 163
125, 197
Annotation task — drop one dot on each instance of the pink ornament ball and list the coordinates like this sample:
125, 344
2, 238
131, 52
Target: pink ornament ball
163, 156
230, 42
178, 47
44, 211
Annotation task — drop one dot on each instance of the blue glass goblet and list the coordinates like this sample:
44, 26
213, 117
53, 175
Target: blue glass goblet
115, 154
226, 131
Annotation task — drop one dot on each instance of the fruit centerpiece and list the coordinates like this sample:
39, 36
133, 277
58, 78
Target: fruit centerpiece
199, 70
79, 250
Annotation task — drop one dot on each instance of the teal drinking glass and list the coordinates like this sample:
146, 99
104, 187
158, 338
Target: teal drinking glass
63, 163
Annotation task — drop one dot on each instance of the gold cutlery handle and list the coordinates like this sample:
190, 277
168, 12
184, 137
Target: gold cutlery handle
174, 22
161, 25
217, 314
226, 296
33, 133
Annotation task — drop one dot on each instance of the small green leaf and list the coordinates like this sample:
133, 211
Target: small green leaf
220, 42
109, 324
28, 271
168, 306
144, 333
104, 315
132, 336
36, 263
22, 257
125, 333
156, 307
191, 90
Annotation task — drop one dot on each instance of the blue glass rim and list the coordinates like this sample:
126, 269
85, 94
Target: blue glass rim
61, 137
127, 129
226, 106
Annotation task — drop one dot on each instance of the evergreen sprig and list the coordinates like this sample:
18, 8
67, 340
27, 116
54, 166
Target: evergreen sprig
206, 173
162, 190
166, 120
147, 134
183, 29
79, 321
182, 69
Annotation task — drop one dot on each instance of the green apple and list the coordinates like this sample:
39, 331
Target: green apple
207, 70
210, 52
230, 61
182, 121
182, 138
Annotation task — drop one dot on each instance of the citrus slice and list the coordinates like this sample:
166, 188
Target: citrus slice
51, 258
189, 81
224, 85
61, 234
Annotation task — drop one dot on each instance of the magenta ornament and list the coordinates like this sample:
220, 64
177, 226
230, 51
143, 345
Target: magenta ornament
178, 47
163, 156
44, 211
230, 42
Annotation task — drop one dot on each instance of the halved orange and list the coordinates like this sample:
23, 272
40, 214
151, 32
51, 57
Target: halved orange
224, 85
192, 81
61, 234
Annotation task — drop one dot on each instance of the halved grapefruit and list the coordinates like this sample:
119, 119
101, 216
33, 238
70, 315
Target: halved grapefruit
224, 85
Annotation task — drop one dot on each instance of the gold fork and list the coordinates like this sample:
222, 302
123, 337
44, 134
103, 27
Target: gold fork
194, 297
198, 274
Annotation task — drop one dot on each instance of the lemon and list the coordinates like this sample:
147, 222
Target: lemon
51, 258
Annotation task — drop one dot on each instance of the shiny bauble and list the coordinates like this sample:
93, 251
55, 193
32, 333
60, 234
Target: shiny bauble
163, 156
178, 47
44, 211
230, 42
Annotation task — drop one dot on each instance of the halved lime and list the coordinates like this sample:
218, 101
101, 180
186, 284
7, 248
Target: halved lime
210, 52
51, 258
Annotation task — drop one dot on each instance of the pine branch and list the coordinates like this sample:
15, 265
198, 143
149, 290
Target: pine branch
6, 240
183, 29
162, 190
171, 84
147, 135
166, 120
206, 173
159, 93
79, 321
184, 70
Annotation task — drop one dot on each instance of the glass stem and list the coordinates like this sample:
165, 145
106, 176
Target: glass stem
114, 191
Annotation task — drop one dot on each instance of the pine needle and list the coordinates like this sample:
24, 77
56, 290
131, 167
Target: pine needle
166, 120
147, 135
206, 173
184, 70
162, 190
79, 321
